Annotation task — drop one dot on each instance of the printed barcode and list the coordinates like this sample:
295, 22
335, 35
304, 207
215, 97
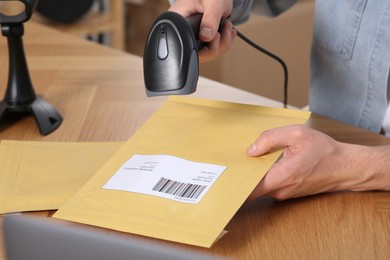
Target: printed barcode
180, 189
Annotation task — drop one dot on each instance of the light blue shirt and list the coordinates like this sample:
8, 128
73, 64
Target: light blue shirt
350, 59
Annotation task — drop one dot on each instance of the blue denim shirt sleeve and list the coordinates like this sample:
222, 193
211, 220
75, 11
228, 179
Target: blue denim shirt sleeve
271, 8
242, 8
240, 12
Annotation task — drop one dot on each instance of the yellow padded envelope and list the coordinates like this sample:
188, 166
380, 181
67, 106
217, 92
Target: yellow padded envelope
43, 175
198, 130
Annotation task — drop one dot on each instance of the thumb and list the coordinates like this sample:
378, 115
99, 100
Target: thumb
269, 141
214, 12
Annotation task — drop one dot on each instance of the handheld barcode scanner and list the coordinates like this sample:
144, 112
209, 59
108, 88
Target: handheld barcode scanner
171, 64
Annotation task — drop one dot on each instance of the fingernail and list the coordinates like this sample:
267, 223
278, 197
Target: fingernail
252, 148
206, 32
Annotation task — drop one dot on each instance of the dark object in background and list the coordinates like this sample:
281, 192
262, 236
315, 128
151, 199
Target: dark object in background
64, 11
20, 97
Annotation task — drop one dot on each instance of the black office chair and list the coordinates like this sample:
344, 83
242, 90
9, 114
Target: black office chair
70, 11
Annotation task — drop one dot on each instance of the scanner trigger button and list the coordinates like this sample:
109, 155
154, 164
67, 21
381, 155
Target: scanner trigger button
162, 50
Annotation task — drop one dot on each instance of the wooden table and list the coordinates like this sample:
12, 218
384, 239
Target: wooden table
100, 94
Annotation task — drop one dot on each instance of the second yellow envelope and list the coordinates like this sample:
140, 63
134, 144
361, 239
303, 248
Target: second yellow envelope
44, 175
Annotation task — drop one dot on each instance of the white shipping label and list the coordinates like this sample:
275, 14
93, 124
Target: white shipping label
165, 176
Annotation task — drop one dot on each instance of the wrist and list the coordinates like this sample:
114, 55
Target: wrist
365, 167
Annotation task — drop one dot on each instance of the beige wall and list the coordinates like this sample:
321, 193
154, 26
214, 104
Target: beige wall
139, 16
288, 36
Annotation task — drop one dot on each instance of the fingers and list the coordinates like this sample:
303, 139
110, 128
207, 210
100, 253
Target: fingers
221, 43
214, 12
274, 184
261, 189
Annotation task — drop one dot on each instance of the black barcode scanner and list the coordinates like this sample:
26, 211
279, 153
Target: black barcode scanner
171, 64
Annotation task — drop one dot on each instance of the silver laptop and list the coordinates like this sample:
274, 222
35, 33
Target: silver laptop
38, 238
